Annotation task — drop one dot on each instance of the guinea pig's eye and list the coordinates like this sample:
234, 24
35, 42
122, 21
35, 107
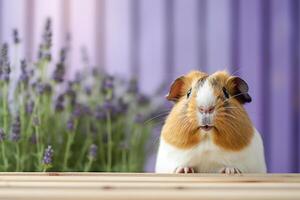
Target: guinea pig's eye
225, 93
188, 94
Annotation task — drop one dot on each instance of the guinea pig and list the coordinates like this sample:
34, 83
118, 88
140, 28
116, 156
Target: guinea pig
208, 129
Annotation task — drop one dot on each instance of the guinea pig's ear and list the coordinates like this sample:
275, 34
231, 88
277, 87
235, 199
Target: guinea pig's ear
238, 88
176, 89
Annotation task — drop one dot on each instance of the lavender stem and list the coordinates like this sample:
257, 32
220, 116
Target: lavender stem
109, 142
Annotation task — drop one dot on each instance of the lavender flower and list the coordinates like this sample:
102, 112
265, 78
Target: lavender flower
59, 103
30, 107
70, 124
99, 113
4, 62
133, 86
24, 77
78, 78
16, 129
48, 156
108, 83
70, 92
43, 88
142, 99
4, 54
108, 106
59, 72
95, 72
79, 110
47, 35
93, 151
88, 90
121, 107
139, 119
40, 52
63, 54
16, 36
2, 135
44, 48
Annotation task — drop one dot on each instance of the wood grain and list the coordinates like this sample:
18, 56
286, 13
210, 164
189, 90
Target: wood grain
147, 186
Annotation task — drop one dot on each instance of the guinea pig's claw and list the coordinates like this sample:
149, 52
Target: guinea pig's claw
184, 170
230, 171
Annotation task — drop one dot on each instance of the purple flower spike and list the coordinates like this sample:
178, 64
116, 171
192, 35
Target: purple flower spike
93, 151
143, 99
70, 124
16, 130
88, 90
108, 83
2, 135
133, 86
48, 155
139, 119
43, 88
99, 113
29, 107
59, 103
4, 63
108, 106
16, 36
24, 77
121, 107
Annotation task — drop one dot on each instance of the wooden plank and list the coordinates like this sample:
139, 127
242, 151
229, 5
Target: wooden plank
105, 177
140, 174
147, 186
147, 194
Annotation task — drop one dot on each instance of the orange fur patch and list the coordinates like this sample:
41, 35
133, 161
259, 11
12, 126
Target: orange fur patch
181, 127
233, 129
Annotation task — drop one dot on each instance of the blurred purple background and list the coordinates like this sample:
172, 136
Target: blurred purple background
158, 40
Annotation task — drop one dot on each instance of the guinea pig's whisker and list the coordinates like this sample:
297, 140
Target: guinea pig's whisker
236, 71
232, 107
157, 116
235, 96
227, 115
156, 140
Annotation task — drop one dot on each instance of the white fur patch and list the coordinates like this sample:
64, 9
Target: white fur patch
205, 95
205, 98
208, 157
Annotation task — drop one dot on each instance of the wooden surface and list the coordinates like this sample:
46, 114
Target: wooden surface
147, 186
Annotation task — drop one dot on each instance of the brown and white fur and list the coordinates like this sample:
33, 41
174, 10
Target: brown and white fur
208, 130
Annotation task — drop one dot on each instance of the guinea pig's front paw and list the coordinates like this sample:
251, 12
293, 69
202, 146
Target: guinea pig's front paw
184, 170
230, 170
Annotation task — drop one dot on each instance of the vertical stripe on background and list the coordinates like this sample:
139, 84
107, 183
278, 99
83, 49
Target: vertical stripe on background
266, 71
295, 96
135, 38
169, 38
235, 36
65, 29
202, 32
100, 14
29, 29
1, 18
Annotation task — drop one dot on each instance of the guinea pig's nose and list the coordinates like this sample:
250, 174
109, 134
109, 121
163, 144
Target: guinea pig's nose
203, 109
